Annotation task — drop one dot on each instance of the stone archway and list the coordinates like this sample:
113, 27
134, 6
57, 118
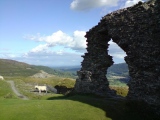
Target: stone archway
137, 31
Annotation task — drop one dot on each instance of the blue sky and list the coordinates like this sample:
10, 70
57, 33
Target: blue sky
51, 32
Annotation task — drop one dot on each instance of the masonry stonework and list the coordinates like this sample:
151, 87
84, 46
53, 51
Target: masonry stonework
137, 31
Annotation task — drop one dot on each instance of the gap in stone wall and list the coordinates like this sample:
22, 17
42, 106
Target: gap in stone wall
118, 76
116, 52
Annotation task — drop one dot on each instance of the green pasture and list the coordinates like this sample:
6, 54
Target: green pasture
53, 106
77, 107
59, 107
49, 109
6, 91
26, 85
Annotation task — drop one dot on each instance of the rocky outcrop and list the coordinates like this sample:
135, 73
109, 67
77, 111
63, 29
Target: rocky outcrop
63, 89
137, 31
42, 74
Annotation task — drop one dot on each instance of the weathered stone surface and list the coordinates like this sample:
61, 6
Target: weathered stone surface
137, 31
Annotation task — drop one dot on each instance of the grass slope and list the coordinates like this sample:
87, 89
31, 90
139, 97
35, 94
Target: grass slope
6, 91
52, 110
14, 68
76, 107
26, 84
59, 107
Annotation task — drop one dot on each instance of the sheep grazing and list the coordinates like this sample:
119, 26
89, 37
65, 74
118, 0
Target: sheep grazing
1, 78
41, 88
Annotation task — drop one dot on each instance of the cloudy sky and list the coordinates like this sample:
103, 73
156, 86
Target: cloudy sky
51, 32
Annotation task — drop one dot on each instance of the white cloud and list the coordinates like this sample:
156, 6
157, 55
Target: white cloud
116, 52
58, 38
43, 55
51, 58
73, 46
79, 41
81, 5
57, 49
130, 3
75, 42
9, 55
60, 52
37, 37
40, 48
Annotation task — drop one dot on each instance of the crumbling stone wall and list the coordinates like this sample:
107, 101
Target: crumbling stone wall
137, 31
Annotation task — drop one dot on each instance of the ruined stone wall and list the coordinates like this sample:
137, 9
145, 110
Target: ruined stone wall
137, 31
92, 76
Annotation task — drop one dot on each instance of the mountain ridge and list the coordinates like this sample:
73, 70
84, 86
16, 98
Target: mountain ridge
16, 68
13, 68
120, 69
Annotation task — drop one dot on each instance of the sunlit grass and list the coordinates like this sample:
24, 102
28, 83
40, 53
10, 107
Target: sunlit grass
6, 91
59, 107
26, 85
120, 90
52, 110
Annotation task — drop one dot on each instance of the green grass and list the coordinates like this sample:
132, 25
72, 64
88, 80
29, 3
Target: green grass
6, 91
53, 110
77, 107
60, 107
26, 84
120, 90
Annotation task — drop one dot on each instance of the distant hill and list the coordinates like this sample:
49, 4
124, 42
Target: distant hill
71, 69
120, 69
15, 68
116, 74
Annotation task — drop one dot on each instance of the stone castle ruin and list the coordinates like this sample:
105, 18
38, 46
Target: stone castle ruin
136, 30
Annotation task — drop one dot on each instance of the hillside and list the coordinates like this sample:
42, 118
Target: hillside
117, 74
69, 69
120, 69
15, 68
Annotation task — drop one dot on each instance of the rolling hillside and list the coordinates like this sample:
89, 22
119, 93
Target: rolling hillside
15, 68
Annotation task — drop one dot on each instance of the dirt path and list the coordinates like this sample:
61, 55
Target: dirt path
16, 91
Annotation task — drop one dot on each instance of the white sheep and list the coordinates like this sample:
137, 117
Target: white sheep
41, 88
1, 78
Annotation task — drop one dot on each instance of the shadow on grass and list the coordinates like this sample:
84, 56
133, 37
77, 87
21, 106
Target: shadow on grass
115, 108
